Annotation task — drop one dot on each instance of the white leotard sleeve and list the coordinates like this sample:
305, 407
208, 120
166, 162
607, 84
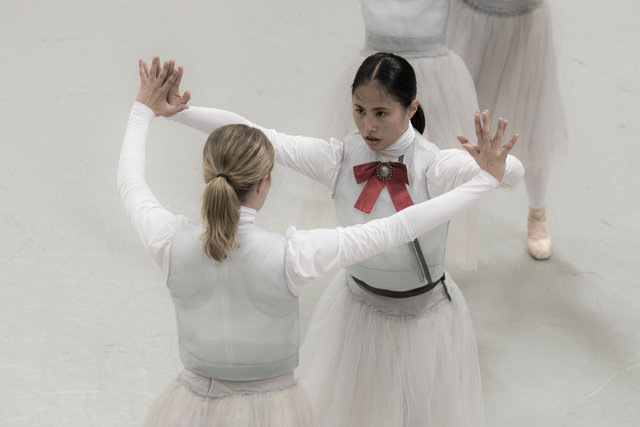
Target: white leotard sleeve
453, 167
319, 252
309, 254
154, 224
314, 157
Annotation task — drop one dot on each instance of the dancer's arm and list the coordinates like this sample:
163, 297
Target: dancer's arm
314, 253
154, 224
451, 168
319, 252
314, 157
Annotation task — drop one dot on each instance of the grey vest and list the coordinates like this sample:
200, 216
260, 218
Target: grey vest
397, 269
237, 320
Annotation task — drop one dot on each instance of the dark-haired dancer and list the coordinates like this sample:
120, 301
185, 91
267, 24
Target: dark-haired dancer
391, 341
508, 47
415, 30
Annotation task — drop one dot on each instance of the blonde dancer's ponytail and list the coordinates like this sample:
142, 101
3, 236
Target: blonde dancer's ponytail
234, 159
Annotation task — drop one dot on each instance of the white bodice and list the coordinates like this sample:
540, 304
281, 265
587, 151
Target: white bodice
237, 319
396, 269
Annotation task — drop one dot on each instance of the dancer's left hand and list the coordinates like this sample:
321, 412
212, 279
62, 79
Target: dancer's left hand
489, 152
173, 96
155, 84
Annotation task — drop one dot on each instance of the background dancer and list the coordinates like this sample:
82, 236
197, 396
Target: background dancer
415, 30
508, 47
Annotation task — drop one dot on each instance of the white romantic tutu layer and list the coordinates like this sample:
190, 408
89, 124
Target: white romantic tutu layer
511, 56
196, 401
370, 361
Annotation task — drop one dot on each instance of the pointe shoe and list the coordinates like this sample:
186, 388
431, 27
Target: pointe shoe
539, 242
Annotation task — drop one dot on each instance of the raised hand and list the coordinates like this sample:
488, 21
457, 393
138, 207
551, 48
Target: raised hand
489, 152
155, 84
174, 97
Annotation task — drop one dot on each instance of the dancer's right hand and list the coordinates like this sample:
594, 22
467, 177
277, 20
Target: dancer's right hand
155, 84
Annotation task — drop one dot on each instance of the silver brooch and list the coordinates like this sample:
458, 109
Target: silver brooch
384, 171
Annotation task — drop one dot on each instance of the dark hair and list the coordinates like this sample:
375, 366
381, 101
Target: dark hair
396, 75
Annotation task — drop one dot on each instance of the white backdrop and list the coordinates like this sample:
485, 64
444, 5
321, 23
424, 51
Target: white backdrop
87, 334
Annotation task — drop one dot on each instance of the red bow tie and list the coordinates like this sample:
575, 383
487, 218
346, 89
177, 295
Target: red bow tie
377, 175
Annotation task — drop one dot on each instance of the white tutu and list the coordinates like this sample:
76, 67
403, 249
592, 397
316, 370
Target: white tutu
510, 53
196, 401
374, 361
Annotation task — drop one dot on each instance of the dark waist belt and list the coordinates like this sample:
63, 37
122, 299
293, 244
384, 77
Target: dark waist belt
399, 294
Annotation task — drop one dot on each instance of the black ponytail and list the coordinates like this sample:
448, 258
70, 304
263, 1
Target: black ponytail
418, 120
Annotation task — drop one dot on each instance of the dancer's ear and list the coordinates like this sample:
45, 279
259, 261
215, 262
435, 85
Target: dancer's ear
264, 184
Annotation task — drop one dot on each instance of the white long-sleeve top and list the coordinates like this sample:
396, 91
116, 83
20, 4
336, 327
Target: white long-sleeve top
321, 160
308, 254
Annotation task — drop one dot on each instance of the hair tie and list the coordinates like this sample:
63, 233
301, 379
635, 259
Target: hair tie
226, 178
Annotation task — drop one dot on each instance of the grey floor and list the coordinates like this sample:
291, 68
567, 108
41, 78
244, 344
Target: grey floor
87, 334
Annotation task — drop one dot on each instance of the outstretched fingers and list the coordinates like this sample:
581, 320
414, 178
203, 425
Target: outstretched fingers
144, 71
179, 103
178, 80
155, 67
186, 96
162, 76
172, 65
506, 148
168, 75
468, 145
173, 94
486, 126
477, 120
169, 82
502, 125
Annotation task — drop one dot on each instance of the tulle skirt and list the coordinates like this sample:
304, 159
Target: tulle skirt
511, 57
372, 361
196, 401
